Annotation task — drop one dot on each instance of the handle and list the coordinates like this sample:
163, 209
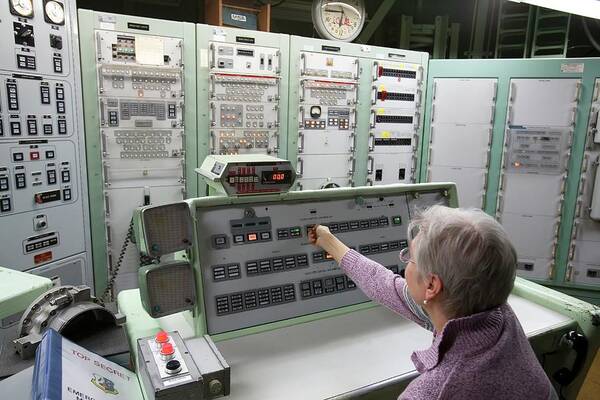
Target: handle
211, 86
103, 144
577, 91
431, 133
213, 122
419, 97
301, 117
352, 165
278, 55
353, 118
102, 112
434, 89
513, 92
300, 164
108, 235
596, 92
428, 177
276, 109
417, 120
105, 168
357, 70
492, 112
302, 91
573, 115
369, 182
495, 90
490, 133
500, 205
106, 205
432, 113
375, 71
301, 142
371, 142
213, 143
211, 61
510, 115
299, 186
372, 119
302, 64
374, 95
370, 164
353, 144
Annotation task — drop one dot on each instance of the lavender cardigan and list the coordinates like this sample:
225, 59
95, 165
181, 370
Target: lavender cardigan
482, 356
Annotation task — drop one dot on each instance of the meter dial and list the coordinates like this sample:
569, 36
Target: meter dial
21, 8
55, 12
338, 20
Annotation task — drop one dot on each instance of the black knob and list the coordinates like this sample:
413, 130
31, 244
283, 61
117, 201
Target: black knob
173, 367
56, 42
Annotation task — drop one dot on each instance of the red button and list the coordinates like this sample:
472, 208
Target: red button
34, 155
167, 349
252, 237
162, 337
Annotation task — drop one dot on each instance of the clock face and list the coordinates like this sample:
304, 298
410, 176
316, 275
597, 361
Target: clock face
23, 8
55, 12
339, 20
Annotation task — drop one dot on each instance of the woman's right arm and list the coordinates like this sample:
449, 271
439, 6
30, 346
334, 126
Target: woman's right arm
376, 281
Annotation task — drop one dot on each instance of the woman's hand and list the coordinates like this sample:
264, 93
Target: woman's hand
320, 236
316, 235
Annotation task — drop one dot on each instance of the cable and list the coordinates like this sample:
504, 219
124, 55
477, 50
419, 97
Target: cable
115, 271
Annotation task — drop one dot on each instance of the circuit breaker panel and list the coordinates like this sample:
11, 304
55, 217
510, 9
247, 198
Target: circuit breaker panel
257, 265
539, 129
460, 135
326, 119
139, 125
355, 113
584, 253
394, 122
43, 195
241, 77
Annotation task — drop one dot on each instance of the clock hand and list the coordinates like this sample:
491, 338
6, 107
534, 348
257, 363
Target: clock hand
341, 18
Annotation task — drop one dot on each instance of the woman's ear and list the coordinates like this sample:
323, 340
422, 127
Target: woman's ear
434, 287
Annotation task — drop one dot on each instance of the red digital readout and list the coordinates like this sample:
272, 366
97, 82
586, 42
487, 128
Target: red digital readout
278, 176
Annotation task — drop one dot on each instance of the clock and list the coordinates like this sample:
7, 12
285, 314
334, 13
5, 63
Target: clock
21, 8
54, 12
338, 20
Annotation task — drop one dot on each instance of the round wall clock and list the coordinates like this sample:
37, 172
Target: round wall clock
338, 20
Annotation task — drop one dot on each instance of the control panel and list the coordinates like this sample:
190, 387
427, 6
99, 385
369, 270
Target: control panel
328, 97
394, 122
583, 265
140, 120
244, 92
257, 265
247, 174
42, 165
535, 160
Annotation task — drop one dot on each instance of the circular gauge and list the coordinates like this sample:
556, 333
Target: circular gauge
22, 8
338, 20
55, 12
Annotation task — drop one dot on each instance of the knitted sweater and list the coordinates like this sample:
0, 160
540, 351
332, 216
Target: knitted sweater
482, 356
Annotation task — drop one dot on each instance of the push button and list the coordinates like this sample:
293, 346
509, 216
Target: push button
66, 194
3, 183
17, 157
34, 155
49, 154
5, 205
252, 237
238, 239
265, 235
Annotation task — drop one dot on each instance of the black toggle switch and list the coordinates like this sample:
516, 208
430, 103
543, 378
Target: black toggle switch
56, 42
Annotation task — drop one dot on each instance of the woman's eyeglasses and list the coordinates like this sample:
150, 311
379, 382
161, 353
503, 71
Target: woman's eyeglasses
405, 255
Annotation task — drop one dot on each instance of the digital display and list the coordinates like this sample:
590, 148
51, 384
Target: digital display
276, 177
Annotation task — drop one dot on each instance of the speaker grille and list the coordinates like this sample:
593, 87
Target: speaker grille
168, 228
171, 288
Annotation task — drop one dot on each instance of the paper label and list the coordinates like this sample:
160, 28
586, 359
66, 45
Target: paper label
572, 68
149, 50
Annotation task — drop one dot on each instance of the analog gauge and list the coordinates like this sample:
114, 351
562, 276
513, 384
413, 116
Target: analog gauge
338, 20
21, 8
55, 12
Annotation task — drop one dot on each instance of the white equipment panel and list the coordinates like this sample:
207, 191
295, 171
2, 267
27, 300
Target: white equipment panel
244, 96
43, 190
584, 254
326, 120
541, 115
141, 100
461, 134
394, 122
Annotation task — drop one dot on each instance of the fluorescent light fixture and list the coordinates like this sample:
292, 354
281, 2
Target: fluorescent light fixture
587, 8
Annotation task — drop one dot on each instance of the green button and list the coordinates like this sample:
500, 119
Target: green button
397, 220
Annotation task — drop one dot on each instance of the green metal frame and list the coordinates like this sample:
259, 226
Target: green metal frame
504, 70
88, 23
366, 55
207, 33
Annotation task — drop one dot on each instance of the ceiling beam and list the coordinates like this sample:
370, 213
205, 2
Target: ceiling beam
374, 23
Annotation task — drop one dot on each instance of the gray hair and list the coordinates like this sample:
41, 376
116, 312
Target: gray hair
470, 252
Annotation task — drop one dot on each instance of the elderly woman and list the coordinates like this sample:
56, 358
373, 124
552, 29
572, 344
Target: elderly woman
460, 269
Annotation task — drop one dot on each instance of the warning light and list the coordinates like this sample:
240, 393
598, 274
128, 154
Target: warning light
328, 256
252, 237
167, 349
517, 164
162, 337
